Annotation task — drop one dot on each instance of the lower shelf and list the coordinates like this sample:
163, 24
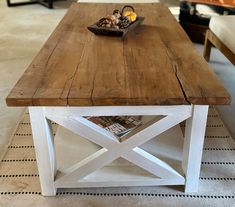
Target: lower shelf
115, 176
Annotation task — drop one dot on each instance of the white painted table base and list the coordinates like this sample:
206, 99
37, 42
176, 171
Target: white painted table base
111, 148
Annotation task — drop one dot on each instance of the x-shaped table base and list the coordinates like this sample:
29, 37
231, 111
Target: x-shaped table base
112, 148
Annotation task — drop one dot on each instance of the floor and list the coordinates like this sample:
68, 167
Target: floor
24, 30
226, 72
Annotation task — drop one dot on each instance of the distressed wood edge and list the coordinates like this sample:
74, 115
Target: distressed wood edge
213, 101
23, 102
115, 102
16, 102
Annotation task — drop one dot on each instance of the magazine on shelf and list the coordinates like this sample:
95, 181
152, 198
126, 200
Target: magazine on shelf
118, 125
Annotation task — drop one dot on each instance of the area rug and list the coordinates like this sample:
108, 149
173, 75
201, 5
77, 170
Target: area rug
19, 179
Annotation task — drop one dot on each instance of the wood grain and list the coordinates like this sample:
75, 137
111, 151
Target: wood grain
156, 64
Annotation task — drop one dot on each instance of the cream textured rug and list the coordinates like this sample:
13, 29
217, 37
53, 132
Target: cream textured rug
19, 181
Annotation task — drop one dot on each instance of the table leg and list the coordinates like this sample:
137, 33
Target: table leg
44, 149
193, 146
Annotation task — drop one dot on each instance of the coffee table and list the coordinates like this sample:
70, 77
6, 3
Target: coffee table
154, 70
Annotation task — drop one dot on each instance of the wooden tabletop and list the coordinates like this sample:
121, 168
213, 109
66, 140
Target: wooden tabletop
156, 64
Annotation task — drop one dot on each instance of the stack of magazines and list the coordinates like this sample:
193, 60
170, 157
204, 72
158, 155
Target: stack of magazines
118, 125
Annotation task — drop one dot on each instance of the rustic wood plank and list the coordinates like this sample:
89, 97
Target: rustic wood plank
22, 93
59, 71
48, 78
199, 83
154, 84
156, 64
